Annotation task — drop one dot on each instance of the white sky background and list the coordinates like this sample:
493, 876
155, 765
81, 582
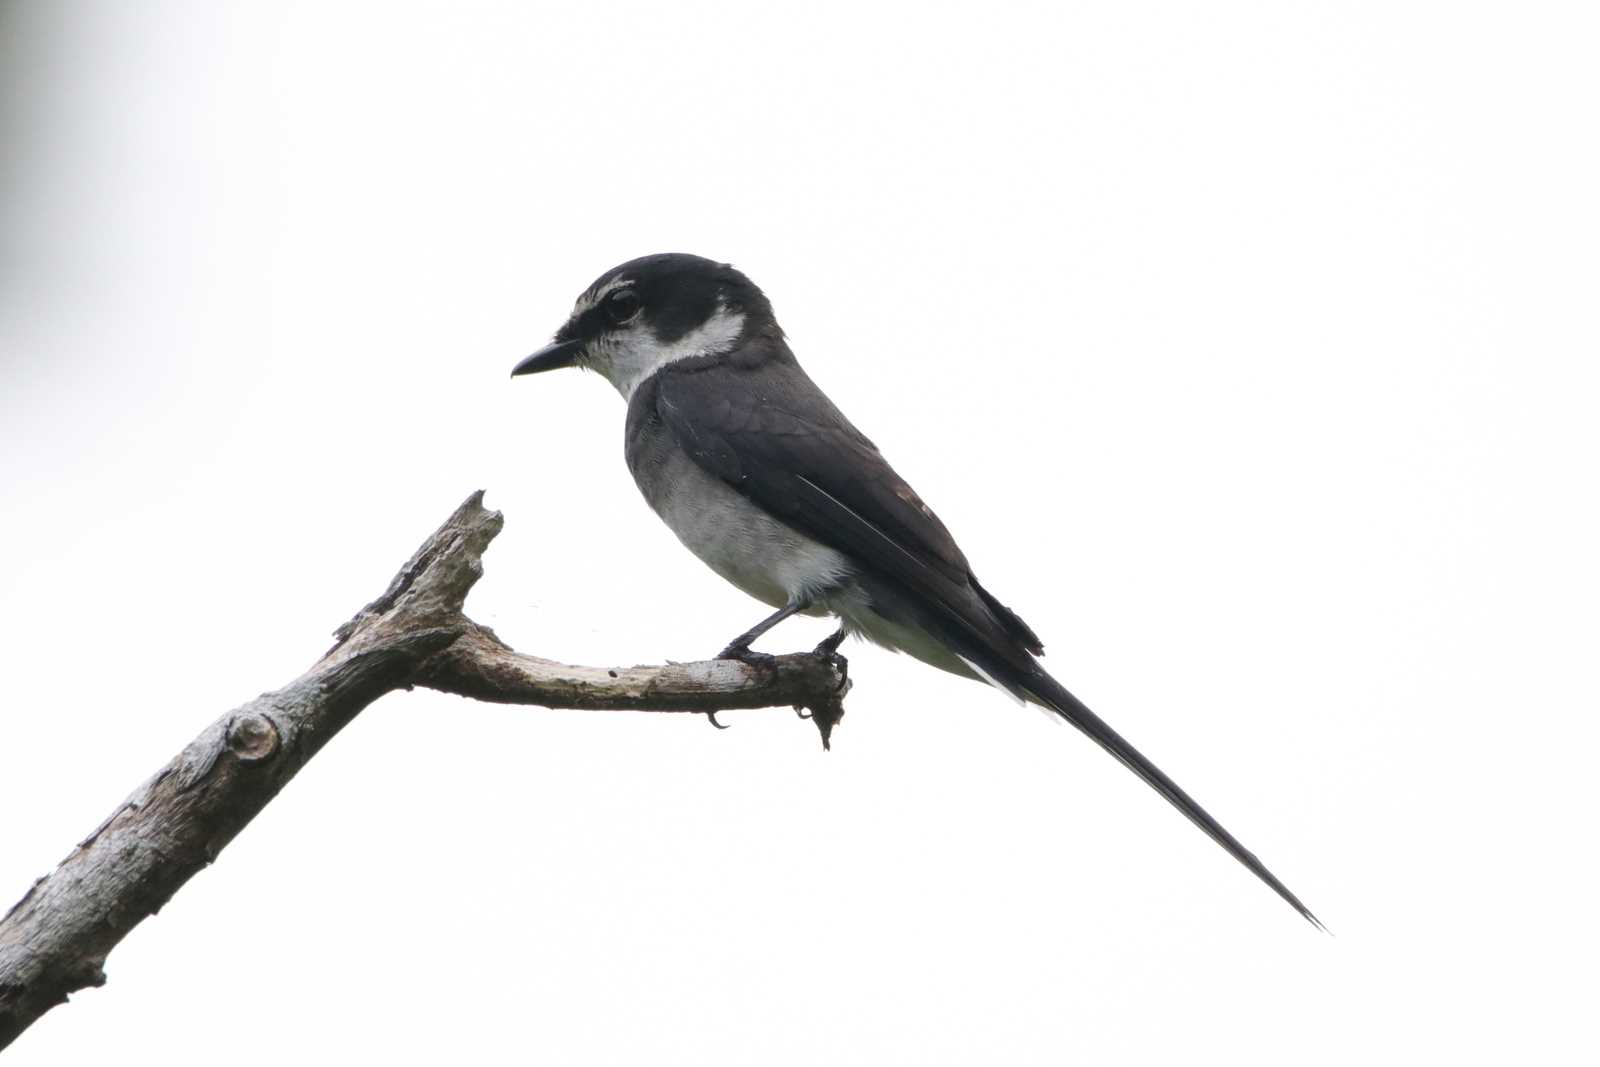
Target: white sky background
1249, 352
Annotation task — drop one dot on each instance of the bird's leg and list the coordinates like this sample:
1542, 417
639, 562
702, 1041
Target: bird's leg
739, 647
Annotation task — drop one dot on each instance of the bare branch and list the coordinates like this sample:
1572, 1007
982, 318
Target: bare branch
480, 666
55, 940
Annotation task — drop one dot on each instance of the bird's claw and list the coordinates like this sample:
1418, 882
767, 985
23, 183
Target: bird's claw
711, 717
829, 650
748, 656
829, 647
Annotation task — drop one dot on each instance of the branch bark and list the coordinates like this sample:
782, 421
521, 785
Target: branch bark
55, 940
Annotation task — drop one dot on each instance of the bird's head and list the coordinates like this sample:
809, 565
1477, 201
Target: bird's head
637, 318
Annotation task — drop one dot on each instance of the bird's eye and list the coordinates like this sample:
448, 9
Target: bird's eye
621, 306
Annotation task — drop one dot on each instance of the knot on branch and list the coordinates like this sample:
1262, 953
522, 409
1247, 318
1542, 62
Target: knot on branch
253, 737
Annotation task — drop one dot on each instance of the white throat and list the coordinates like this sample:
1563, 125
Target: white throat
627, 357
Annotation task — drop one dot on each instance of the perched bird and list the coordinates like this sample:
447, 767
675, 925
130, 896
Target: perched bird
764, 479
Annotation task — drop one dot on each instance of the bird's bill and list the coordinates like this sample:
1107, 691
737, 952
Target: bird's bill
550, 357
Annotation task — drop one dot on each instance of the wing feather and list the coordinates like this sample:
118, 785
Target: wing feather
772, 435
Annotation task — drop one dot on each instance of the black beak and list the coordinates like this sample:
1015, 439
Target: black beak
550, 357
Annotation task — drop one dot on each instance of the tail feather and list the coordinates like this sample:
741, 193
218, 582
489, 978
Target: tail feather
1052, 694
993, 644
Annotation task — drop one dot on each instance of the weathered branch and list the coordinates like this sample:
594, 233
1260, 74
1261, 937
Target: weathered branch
56, 938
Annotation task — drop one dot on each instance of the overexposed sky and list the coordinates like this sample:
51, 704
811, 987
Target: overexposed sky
1249, 350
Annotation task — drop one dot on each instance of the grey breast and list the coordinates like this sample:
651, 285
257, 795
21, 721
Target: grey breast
760, 555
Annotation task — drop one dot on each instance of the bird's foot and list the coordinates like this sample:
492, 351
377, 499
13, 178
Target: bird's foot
743, 653
829, 650
828, 713
830, 644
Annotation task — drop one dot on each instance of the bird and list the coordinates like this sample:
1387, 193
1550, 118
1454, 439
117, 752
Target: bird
763, 478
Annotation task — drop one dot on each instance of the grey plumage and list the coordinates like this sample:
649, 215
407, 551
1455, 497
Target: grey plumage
764, 479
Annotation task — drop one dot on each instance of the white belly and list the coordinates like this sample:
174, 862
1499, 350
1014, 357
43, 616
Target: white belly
772, 562
777, 564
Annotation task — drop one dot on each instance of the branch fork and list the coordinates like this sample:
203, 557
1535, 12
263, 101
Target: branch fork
55, 940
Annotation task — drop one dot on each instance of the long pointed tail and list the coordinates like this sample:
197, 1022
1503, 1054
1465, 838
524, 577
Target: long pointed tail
1047, 691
